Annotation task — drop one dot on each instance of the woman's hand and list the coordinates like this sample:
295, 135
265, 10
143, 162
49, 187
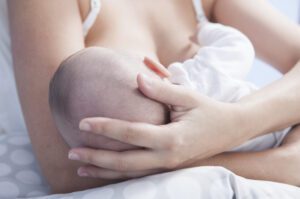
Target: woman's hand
200, 127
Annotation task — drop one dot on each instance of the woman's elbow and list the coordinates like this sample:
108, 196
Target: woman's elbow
292, 58
284, 59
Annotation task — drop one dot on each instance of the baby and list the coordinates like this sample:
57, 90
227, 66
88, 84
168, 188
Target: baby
98, 82
102, 82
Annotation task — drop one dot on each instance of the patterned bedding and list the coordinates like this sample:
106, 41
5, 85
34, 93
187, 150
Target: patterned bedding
20, 178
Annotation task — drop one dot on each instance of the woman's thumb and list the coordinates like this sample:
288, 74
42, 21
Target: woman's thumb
166, 92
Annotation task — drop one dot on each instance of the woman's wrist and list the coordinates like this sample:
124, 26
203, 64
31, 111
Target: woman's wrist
249, 122
273, 107
241, 124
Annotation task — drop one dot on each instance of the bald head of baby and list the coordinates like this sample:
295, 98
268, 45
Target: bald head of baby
98, 82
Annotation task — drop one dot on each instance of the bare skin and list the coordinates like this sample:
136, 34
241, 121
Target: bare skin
193, 121
41, 43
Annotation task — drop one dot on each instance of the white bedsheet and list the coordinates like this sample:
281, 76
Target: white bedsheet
194, 183
20, 178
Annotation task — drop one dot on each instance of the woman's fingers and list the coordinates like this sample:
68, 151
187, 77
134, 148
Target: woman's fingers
167, 93
96, 172
139, 134
137, 160
157, 68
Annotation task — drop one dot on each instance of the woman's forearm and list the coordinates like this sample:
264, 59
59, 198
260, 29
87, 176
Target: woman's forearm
274, 36
274, 107
279, 165
38, 48
276, 40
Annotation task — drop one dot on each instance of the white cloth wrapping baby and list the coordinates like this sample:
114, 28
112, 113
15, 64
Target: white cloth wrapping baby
218, 70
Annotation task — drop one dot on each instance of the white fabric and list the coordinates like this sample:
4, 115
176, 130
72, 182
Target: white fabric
195, 183
217, 71
95, 7
201, 17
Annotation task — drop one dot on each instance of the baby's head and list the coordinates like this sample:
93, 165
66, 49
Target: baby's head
98, 82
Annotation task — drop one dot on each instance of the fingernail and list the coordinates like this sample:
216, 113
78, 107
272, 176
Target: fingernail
84, 126
82, 173
73, 156
147, 79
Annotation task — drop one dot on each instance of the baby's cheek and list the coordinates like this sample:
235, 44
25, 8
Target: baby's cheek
101, 142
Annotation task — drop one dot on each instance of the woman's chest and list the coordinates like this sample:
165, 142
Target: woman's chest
156, 28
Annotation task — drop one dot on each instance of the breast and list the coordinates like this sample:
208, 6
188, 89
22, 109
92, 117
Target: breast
159, 29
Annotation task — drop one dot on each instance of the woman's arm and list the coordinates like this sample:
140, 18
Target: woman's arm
277, 41
275, 37
44, 33
272, 108
201, 128
279, 164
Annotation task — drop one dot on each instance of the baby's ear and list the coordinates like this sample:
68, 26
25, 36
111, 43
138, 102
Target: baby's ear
156, 67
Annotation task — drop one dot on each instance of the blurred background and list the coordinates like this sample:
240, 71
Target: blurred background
262, 74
